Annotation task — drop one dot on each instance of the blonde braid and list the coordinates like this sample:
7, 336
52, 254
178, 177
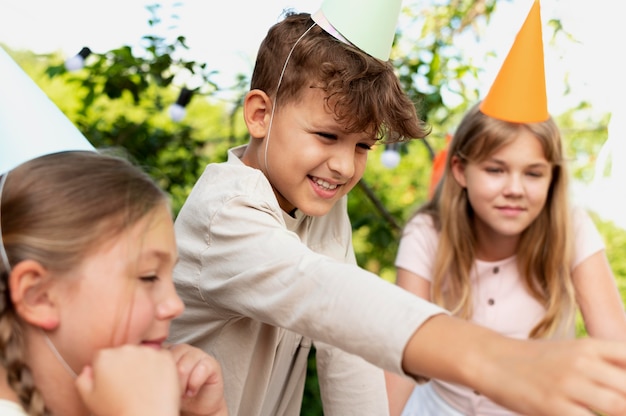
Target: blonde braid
19, 376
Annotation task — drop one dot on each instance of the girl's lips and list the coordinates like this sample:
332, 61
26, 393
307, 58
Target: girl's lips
511, 210
156, 344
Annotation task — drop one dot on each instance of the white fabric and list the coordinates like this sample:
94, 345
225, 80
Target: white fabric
424, 401
8, 408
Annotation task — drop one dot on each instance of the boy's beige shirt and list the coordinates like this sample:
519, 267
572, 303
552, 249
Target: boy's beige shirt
258, 286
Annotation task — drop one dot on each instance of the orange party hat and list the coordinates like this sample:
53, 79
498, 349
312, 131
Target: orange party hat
518, 93
439, 166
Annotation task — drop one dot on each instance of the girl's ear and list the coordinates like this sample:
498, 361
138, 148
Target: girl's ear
30, 285
458, 171
257, 110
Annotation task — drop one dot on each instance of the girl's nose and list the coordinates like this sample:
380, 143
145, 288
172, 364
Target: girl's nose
514, 185
171, 306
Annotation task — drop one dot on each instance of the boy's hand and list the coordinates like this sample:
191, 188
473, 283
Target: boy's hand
200, 377
130, 380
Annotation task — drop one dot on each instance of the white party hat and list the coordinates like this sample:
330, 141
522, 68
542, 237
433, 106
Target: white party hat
31, 125
370, 25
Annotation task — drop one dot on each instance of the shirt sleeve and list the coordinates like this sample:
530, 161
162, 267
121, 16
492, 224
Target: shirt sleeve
253, 266
587, 238
418, 247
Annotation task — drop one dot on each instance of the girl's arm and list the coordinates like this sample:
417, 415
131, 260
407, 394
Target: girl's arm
399, 387
599, 299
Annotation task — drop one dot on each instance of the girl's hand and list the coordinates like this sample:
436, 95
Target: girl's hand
130, 380
200, 377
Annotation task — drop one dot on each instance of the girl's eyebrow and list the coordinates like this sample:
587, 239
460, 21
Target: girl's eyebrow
540, 164
163, 256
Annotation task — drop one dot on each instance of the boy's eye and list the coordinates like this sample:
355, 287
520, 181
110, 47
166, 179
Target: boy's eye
327, 136
366, 146
149, 279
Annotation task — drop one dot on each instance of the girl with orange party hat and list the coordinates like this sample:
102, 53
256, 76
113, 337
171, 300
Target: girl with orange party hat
499, 243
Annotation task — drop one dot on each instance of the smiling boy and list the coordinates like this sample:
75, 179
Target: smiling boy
267, 267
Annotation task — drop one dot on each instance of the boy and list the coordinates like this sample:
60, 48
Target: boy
267, 267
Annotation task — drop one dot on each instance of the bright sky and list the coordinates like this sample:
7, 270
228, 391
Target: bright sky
226, 37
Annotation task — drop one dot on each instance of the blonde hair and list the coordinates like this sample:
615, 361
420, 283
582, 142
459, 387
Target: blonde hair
544, 251
56, 209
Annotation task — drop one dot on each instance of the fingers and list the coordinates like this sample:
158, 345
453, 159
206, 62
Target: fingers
604, 390
592, 377
84, 381
130, 380
195, 368
201, 377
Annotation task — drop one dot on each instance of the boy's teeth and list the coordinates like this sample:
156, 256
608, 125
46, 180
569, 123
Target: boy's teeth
324, 184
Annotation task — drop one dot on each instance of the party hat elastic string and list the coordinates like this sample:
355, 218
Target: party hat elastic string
58, 355
280, 80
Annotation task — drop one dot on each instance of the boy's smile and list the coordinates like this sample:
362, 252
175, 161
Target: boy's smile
309, 159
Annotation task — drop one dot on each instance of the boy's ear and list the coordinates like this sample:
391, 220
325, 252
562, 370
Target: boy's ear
257, 110
30, 285
458, 171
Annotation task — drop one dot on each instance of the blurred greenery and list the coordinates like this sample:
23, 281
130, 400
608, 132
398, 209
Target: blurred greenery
120, 101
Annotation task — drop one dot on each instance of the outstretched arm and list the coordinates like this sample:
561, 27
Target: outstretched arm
531, 377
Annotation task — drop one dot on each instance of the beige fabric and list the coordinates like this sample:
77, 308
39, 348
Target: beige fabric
259, 286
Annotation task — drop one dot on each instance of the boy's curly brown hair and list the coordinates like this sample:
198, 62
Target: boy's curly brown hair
363, 92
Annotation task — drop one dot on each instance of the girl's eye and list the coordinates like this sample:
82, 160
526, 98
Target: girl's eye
365, 146
535, 174
493, 170
149, 279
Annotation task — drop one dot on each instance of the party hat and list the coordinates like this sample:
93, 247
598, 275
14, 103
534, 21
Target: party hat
518, 93
31, 125
439, 166
370, 25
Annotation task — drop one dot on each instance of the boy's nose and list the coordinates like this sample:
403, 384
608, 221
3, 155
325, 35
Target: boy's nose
342, 162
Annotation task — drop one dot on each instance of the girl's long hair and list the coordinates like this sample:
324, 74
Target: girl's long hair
544, 252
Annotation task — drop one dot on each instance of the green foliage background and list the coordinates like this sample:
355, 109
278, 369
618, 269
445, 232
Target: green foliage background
120, 101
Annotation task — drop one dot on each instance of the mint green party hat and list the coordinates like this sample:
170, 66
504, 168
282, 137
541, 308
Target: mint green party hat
370, 25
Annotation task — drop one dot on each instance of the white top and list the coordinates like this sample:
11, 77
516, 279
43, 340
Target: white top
9, 408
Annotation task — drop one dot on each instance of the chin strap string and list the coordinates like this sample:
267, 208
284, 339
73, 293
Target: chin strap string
58, 355
280, 80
